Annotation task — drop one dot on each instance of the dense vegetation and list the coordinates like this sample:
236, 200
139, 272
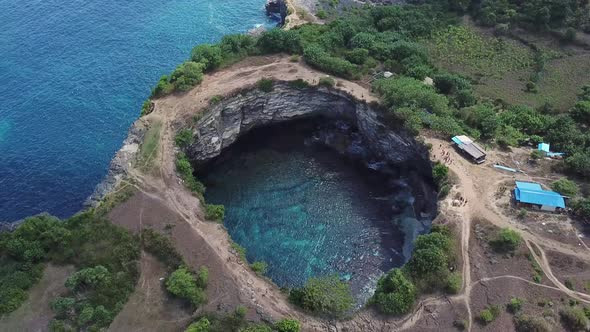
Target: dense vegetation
393, 38
428, 270
106, 257
326, 296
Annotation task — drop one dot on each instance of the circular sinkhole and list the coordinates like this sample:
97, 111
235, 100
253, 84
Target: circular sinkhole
305, 197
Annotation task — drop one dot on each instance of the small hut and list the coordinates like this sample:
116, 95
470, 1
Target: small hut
469, 148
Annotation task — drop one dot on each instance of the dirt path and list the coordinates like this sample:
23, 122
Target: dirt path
475, 185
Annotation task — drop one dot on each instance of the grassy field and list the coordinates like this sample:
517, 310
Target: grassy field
502, 66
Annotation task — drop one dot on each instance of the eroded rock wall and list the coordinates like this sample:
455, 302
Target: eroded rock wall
224, 123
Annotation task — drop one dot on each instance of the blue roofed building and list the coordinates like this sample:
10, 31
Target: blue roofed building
531, 194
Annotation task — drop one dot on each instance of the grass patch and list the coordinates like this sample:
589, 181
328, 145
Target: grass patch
214, 212
240, 251
537, 270
124, 191
463, 49
185, 171
148, 151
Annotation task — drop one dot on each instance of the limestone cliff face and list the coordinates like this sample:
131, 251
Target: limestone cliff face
386, 146
224, 123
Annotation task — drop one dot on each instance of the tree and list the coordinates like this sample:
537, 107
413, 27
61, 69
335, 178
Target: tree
209, 55
91, 277
574, 318
215, 212
565, 187
187, 75
440, 173
324, 296
63, 306
395, 293
581, 112
288, 325
183, 284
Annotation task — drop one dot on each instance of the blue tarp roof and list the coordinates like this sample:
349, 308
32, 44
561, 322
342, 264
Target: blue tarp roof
457, 140
543, 147
532, 193
528, 185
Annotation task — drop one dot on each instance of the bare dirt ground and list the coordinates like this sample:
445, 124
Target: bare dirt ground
163, 203
35, 314
149, 308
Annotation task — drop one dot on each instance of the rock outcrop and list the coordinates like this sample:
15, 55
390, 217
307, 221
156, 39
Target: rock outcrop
225, 122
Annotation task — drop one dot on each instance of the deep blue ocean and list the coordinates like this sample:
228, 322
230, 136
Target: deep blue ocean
73, 76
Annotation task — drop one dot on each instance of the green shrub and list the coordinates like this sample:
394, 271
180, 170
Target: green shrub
209, 55
569, 284
515, 305
182, 283
565, 187
454, 282
163, 87
288, 325
317, 57
574, 318
202, 325
299, 84
241, 312
489, 314
536, 155
203, 277
146, 107
395, 293
215, 99
327, 81
214, 212
184, 138
440, 173
259, 267
460, 324
323, 296
321, 14
265, 84
507, 240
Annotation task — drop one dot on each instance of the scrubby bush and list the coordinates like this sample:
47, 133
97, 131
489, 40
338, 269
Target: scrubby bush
259, 267
323, 296
489, 314
299, 84
202, 325
288, 325
440, 174
214, 212
317, 57
565, 187
395, 293
454, 282
265, 84
527, 323
184, 138
327, 81
183, 284
515, 305
185, 170
536, 155
279, 40
574, 318
161, 247
507, 240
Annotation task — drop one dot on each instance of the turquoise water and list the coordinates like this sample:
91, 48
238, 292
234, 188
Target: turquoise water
74, 75
305, 209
